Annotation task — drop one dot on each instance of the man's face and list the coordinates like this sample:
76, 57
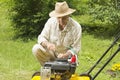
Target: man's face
63, 20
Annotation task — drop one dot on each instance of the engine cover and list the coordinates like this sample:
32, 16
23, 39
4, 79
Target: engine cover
61, 66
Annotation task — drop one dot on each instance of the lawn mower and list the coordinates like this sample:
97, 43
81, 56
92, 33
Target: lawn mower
64, 69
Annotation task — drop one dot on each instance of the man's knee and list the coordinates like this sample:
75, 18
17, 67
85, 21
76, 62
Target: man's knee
35, 49
38, 48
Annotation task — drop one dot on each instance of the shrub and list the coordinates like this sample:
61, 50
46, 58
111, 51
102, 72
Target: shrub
29, 17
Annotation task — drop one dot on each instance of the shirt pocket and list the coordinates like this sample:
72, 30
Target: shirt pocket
54, 39
68, 40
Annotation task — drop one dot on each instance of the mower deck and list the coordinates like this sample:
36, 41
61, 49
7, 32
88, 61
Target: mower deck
74, 77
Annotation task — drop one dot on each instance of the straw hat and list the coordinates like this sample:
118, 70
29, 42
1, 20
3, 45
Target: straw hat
61, 9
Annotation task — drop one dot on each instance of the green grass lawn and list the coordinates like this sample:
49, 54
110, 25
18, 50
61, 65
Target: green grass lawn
18, 63
16, 59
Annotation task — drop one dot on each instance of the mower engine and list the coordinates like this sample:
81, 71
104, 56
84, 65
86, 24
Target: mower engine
61, 69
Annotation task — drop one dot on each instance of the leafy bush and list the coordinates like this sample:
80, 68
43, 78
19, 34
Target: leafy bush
101, 17
107, 11
29, 17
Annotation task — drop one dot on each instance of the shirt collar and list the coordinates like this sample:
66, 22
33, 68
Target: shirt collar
67, 27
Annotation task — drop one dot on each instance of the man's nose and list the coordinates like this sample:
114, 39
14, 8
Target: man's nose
60, 19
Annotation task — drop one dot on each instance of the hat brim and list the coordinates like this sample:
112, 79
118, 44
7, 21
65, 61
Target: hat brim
54, 14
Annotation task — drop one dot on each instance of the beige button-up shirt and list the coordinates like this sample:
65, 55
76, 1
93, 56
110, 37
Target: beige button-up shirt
69, 37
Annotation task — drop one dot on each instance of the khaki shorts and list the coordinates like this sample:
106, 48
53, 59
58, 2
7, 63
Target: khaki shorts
43, 54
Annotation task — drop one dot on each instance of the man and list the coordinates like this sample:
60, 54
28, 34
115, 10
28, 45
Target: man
61, 35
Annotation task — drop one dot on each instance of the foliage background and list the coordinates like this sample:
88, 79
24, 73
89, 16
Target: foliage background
95, 16
29, 16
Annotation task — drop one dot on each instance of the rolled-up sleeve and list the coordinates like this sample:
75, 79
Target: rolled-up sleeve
76, 46
77, 41
44, 36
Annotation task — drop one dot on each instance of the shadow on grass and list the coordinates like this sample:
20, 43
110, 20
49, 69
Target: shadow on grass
102, 33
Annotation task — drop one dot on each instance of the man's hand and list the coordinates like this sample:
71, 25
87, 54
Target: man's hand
61, 55
64, 55
49, 46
